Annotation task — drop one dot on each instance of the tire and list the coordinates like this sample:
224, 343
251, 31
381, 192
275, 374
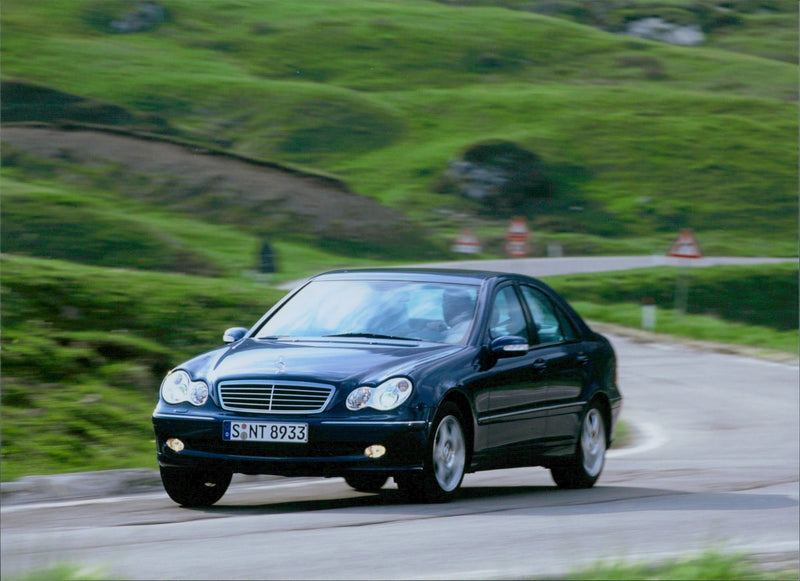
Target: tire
191, 487
583, 470
366, 481
445, 460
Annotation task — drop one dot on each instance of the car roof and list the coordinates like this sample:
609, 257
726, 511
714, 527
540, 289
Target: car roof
419, 274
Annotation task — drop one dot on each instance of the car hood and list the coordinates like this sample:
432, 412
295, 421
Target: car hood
334, 361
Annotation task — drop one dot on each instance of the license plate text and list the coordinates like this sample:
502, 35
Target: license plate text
265, 432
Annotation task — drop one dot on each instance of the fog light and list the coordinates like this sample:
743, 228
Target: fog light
175, 445
375, 451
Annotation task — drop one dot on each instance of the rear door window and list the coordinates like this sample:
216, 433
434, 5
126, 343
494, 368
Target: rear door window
552, 326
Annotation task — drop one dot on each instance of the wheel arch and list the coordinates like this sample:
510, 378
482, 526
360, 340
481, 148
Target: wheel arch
604, 404
461, 401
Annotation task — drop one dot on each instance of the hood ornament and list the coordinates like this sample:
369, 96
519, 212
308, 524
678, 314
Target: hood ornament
280, 365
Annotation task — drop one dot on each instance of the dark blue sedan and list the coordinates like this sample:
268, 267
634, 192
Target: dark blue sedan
417, 375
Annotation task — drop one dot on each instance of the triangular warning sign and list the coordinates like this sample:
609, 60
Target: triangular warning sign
685, 246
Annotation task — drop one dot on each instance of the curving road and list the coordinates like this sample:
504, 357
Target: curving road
586, 264
541, 267
716, 467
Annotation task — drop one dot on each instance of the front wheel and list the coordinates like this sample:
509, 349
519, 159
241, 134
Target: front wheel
191, 487
583, 470
445, 461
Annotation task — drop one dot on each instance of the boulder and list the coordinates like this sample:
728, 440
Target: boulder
503, 176
146, 16
663, 31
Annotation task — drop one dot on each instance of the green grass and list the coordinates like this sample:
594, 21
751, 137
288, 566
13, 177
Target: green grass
711, 566
754, 306
184, 313
737, 26
580, 135
85, 349
103, 226
97, 224
66, 571
71, 224
623, 434
702, 328
762, 295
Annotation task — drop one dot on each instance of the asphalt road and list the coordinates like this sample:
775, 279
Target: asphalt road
539, 267
585, 264
716, 466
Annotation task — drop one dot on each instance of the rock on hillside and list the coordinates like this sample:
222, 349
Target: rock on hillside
659, 29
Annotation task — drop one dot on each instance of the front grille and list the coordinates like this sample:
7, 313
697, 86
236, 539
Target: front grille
275, 398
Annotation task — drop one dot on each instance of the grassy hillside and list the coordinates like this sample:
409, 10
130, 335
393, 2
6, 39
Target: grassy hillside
85, 349
88, 222
735, 25
72, 224
639, 138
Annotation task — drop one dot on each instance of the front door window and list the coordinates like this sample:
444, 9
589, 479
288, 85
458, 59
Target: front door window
507, 315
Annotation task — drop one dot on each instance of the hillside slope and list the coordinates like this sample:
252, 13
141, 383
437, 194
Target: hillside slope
217, 188
638, 138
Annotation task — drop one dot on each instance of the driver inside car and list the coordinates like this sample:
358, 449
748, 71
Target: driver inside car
457, 311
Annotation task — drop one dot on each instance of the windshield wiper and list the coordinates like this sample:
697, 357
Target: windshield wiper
374, 336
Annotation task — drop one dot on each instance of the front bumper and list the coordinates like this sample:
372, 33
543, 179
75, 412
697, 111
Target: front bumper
335, 446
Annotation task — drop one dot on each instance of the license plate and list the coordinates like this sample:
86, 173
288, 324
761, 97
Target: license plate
265, 432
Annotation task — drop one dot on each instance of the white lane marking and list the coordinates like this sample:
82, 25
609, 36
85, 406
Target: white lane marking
87, 501
770, 363
156, 495
652, 437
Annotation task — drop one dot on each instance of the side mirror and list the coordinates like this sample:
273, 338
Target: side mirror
234, 334
509, 346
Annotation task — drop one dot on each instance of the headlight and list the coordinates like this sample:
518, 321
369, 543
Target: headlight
387, 396
178, 387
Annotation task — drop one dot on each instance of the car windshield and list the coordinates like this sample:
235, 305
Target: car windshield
421, 311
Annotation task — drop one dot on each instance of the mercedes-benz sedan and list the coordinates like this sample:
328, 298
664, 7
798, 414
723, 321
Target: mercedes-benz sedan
416, 375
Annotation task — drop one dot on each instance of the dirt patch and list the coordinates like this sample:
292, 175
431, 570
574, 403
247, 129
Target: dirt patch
229, 189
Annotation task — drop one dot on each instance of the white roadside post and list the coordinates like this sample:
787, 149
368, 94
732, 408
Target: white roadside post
648, 314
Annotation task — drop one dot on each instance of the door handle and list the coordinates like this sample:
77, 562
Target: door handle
539, 365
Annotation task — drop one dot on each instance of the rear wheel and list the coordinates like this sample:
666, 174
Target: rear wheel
192, 487
366, 481
585, 467
445, 460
